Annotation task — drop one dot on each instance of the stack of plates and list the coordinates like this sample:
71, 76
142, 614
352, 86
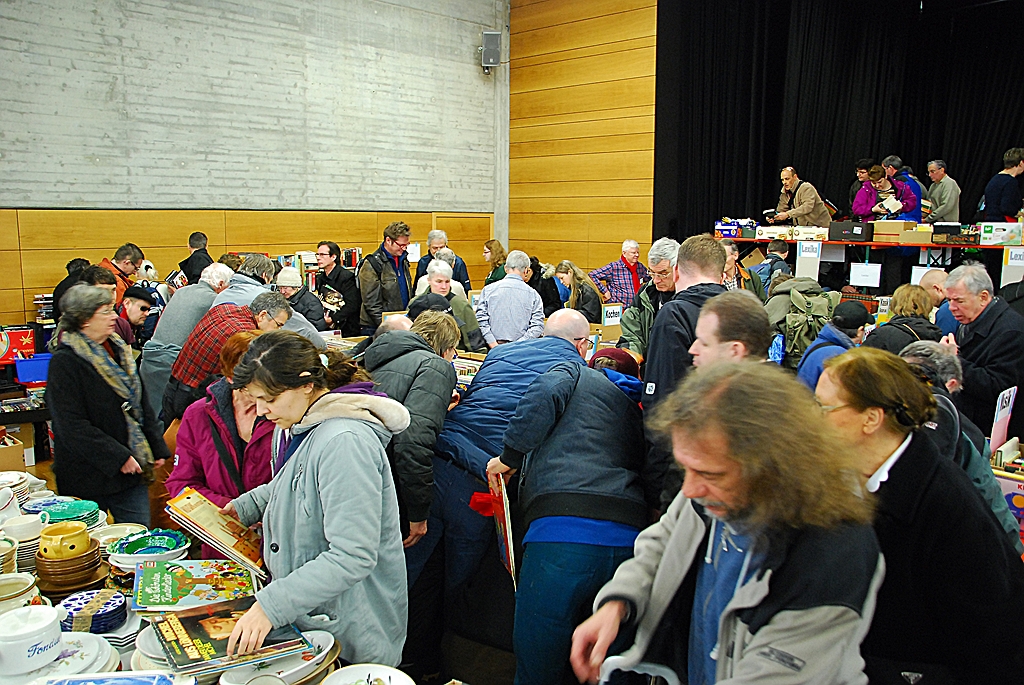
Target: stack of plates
82, 510
123, 639
147, 647
151, 545
27, 554
37, 505
8, 555
108, 534
111, 616
291, 669
16, 481
80, 653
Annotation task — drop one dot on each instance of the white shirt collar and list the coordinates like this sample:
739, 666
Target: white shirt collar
882, 474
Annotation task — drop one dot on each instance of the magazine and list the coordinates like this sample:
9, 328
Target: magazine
202, 517
176, 279
503, 522
196, 640
331, 298
184, 584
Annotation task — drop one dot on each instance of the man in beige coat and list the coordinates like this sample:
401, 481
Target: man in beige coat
800, 201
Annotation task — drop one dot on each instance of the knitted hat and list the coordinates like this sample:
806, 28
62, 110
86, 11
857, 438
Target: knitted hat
627, 363
290, 276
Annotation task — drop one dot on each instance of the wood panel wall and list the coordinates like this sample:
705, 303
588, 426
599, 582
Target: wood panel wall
581, 152
36, 244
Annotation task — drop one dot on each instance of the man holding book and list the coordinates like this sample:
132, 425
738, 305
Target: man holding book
336, 287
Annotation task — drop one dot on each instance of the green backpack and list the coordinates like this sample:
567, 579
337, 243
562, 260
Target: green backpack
807, 315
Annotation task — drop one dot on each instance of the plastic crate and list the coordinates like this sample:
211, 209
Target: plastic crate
33, 369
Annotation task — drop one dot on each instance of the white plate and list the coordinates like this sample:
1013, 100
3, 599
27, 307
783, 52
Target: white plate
140, 662
291, 669
128, 562
356, 675
80, 652
149, 645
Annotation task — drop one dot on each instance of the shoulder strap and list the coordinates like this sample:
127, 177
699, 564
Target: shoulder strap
225, 458
905, 327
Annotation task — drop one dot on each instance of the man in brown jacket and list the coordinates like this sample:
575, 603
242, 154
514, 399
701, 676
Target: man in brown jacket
800, 201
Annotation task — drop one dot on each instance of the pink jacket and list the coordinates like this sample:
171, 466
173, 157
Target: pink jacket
196, 461
867, 197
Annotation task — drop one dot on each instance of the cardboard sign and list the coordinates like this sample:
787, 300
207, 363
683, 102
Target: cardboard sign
1001, 422
1013, 256
611, 314
810, 248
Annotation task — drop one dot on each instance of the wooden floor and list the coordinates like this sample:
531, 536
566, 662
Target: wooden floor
44, 470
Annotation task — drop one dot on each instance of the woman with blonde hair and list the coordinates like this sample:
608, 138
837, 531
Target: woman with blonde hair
954, 585
584, 296
494, 253
910, 307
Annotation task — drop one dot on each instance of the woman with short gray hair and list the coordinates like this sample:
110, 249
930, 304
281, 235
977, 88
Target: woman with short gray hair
441, 265
106, 439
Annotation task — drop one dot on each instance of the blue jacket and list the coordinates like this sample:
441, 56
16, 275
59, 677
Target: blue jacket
578, 443
945, 320
473, 431
459, 272
915, 187
831, 342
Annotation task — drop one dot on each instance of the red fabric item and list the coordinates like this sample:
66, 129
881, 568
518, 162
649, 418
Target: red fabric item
634, 273
200, 355
482, 503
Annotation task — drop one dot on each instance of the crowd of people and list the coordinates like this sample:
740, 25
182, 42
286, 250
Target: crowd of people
721, 496
890, 190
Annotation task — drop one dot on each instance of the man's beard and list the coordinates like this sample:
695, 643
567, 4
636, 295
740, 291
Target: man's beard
732, 515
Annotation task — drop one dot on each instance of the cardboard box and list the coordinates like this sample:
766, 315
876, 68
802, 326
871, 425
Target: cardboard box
854, 231
968, 235
775, 232
728, 230
916, 238
26, 432
946, 228
892, 228
810, 233
753, 259
12, 458
1000, 233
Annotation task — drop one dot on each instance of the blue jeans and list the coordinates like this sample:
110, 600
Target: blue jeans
127, 506
557, 586
466, 533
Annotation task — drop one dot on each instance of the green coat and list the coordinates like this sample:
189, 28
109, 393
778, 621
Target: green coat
496, 274
637, 320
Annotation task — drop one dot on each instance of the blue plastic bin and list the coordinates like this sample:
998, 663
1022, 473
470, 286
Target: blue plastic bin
33, 369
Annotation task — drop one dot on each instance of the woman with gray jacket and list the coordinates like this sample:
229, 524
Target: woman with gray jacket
331, 538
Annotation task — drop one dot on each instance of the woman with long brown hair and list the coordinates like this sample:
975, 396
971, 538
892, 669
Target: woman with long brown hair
494, 253
584, 296
331, 535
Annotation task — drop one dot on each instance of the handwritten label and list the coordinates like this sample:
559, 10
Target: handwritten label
811, 249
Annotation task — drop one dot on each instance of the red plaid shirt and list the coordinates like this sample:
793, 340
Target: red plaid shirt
619, 279
200, 355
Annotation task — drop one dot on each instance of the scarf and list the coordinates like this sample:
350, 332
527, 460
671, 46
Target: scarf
123, 379
634, 272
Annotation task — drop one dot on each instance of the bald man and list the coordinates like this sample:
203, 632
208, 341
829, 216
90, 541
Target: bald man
934, 281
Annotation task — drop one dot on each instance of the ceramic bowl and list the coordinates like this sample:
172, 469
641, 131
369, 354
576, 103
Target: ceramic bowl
64, 540
156, 541
109, 534
17, 590
358, 673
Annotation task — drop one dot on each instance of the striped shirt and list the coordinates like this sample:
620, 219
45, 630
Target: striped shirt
509, 310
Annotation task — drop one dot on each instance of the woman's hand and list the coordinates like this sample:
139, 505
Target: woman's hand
131, 466
497, 466
416, 530
229, 510
250, 631
592, 638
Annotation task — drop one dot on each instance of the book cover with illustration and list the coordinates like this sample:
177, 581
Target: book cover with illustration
331, 298
196, 640
226, 534
503, 523
184, 584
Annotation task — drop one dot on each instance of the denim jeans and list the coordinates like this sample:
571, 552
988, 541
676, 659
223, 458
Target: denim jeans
557, 586
127, 506
466, 533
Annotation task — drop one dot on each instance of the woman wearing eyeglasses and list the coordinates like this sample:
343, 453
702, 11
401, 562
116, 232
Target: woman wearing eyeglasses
106, 439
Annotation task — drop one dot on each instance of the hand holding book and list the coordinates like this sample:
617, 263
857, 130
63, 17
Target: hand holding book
250, 631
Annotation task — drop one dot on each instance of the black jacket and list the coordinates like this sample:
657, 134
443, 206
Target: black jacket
194, 264
900, 331
343, 281
548, 290
310, 306
405, 367
992, 354
90, 436
954, 587
577, 441
1013, 293
62, 287
589, 304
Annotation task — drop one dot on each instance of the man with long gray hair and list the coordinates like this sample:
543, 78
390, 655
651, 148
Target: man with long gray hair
621, 280
990, 343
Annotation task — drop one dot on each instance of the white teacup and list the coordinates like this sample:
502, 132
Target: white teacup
30, 638
41, 494
26, 526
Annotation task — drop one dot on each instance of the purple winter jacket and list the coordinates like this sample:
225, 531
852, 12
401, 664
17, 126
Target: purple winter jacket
196, 462
867, 197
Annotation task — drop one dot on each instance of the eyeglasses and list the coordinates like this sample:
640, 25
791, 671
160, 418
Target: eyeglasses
661, 275
829, 408
106, 311
323, 254
590, 342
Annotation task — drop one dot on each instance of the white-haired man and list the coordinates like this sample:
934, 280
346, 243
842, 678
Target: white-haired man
990, 343
509, 310
638, 318
621, 280
438, 240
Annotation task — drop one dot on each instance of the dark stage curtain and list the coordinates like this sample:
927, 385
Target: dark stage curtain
746, 87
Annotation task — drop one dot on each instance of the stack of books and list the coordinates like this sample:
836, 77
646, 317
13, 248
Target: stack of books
227, 535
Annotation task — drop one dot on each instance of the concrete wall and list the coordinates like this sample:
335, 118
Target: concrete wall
305, 104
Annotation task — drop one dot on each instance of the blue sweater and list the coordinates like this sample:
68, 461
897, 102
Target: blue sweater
831, 342
1002, 198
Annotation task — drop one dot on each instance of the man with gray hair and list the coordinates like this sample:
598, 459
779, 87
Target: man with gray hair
436, 241
253, 279
638, 318
509, 310
443, 262
621, 280
990, 343
944, 194
954, 433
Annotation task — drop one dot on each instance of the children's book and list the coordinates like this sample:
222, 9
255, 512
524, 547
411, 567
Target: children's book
224, 533
184, 584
